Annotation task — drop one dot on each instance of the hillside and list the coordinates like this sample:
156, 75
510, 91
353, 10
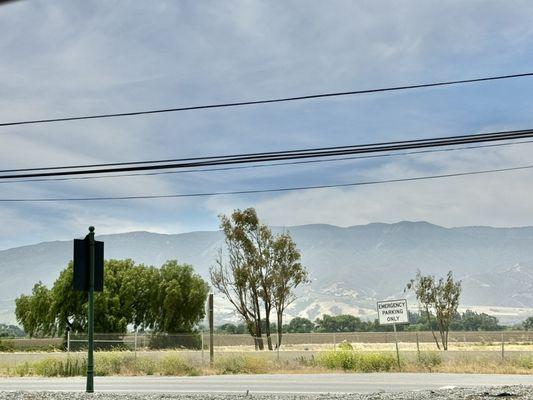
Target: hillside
350, 267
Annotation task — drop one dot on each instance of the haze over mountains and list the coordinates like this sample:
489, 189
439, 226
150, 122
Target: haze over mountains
351, 268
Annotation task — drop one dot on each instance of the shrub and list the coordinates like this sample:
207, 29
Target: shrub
352, 361
344, 345
112, 363
525, 362
429, 360
176, 365
7, 346
239, 365
22, 369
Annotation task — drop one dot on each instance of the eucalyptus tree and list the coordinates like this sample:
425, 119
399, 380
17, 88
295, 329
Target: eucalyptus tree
440, 298
258, 271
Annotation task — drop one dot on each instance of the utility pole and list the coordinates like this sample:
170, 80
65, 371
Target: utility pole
90, 317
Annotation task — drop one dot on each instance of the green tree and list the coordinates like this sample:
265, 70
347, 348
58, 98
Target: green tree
244, 275
339, 323
258, 271
300, 325
440, 298
182, 297
286, 275
33, 312
170, 299
528, 324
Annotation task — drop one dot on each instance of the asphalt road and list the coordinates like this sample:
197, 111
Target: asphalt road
290, 383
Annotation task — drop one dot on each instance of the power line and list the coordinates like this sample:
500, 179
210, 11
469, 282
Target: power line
266, 101
293, 154
275, 190
480, 136
269, 165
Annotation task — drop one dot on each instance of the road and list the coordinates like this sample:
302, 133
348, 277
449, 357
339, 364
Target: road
289, 383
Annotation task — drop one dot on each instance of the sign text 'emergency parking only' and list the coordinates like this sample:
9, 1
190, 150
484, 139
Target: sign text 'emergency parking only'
393, 312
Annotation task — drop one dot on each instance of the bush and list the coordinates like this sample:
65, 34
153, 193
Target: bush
429, 360
22, 369
111, 363
176, 365
344, 345
54, 367
239, 365
7, 346
525, 362
360, 362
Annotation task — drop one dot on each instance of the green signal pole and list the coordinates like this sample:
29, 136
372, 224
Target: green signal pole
90, 316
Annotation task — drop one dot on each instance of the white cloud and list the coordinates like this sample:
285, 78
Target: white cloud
67, 58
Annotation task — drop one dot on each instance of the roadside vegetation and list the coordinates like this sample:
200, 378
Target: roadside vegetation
172, 364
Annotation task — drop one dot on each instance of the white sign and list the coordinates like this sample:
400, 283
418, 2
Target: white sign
393, 312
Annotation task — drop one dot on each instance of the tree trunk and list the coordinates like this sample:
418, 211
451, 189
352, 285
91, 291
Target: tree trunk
280, 328
267, 321
431, 327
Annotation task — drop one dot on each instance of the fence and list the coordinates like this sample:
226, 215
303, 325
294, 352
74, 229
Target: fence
290, 341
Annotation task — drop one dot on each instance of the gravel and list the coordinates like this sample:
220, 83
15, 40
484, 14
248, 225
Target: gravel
505, 392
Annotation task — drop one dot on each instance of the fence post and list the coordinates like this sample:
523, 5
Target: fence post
202, 336
135, 342
503, 348
417, 346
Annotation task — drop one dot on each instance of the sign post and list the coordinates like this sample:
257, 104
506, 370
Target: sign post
393, 312
90, 315
88, 276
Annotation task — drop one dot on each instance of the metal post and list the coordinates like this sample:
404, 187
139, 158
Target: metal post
202, 336
135, 342
503, 348
211, 330
418, 347
334, 341
397, 349
68, 341
90, 359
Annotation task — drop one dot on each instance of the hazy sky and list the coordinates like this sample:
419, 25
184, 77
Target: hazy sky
62, 58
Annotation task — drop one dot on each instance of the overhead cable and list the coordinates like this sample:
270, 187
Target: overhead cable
257, 191
265, 101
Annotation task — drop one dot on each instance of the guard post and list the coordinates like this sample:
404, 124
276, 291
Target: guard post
88, 276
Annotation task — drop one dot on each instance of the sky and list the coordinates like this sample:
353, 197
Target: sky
66, 58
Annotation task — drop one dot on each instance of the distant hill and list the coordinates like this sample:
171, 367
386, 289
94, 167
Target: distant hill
351, 268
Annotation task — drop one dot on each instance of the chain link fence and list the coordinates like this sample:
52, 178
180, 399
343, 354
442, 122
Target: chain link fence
289, 342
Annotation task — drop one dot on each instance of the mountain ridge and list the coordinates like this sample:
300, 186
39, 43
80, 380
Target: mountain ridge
350, 267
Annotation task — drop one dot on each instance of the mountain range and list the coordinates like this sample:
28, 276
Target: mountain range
350, 267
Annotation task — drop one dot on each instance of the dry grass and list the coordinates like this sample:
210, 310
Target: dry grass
183, 363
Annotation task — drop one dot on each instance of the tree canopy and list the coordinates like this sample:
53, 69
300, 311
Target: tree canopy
170, 299
257, 273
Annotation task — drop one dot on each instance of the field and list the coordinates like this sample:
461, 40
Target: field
361, 352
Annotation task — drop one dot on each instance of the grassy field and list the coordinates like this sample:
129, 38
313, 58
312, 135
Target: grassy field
173, 362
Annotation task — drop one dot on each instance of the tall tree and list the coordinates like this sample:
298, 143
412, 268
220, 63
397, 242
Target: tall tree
439, 297
33, 312
287, 274
240, 273
182, 297
170, 299
259, 271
